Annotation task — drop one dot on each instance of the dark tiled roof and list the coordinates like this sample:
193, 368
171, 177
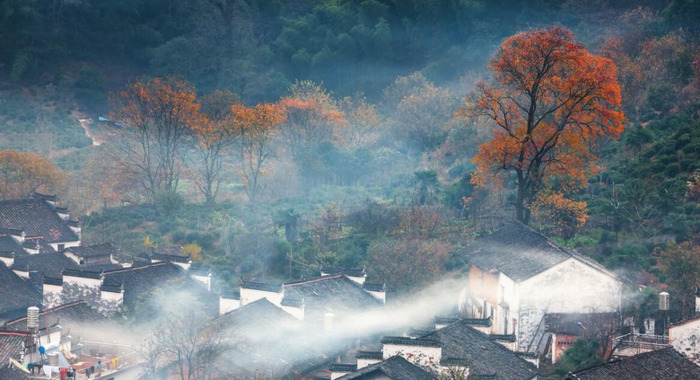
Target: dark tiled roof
576, 323
172, 258
415, 333
286, 301
11, 344
231, 295
502, 337
79, 272
377, 355
477, 321
10, 245
48, 264
96, 250
396, 368
37, 243
276, 288
78, 312
666, 364
445, 320
373, 287
7, 373
405, 341
37, 218
138, 281
335, 293
100, 267
48, 197
515, 250
53, 281
274, 339
343, 367
16, 295
262, 312
356, 272
461, 341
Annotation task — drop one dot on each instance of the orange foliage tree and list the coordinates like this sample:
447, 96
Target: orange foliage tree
157, 118
215, 133
21, 174
551, 100
312, 117
256, 128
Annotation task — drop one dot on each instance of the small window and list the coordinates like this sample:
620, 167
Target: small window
61, 247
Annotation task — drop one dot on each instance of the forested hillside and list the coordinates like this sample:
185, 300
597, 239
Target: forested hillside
352, 132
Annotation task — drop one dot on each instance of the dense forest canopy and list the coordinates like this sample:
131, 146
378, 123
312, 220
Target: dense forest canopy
271, 137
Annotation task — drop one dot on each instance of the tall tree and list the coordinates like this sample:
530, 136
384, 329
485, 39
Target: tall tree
21, 174
256, 127
312, 115
157, 118
550, 101
680, 264
425, 117
215, 133
312, 118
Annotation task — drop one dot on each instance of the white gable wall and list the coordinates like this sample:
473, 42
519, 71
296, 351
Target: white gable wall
685, 338
415, 354
568, 287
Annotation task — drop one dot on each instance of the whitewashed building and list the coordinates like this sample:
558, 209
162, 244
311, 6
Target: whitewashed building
517, 275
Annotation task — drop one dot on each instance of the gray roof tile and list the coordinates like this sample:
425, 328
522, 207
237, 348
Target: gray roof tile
16, 295
395, 368
484, 357
517, 251
666, 364
35, 217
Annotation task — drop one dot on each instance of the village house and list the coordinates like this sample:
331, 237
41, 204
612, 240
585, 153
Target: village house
316, 300
454, 346
16, 295
566, 328
666, 364
110, 291
67, 337
394, 368
41, 222
517, 276
685, 338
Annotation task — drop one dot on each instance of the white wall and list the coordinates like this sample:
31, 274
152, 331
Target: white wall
420, 355
378, 295
228, 304
8, 261
685, 338
51, 296
568, 287
362, 363
251, 295
90, 282
206, 280
66, 244
297, 312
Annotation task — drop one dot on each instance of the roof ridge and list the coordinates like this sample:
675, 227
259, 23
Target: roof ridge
47, 311
114, 271
316, 279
